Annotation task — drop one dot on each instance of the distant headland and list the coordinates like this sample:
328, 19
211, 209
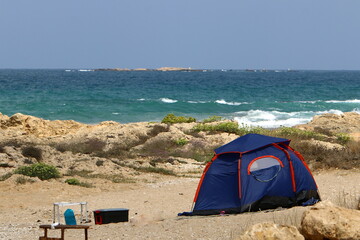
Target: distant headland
162, 69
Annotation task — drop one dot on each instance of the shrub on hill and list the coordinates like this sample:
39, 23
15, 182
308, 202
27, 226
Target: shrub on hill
171, 118
40, 170
212, 119
181, 141
229, 127
74, 181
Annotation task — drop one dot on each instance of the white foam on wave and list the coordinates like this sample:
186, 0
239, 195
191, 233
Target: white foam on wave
197, 101
85, 70
168, 100
222, 101
307, 102
357, 110
141, 99
344, 101
334, 111
115, 113
275, 119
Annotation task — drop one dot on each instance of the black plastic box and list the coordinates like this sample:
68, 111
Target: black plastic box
111, 215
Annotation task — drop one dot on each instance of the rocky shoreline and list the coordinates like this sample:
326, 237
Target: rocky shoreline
127, 148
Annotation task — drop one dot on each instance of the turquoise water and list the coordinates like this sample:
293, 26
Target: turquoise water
268, 99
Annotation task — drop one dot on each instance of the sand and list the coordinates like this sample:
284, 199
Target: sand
153, 208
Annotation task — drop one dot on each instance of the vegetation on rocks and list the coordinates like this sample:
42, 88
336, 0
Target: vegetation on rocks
229, 127
92, 151
212, 119
181, 141
171, 119
77, 182
40, 170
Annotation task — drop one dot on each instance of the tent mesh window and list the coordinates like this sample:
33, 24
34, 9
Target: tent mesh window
265, 169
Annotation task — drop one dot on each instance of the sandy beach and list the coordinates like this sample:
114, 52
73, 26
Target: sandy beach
153, 208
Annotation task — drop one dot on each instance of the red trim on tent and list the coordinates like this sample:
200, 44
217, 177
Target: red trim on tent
303, 162
292, 173
203, 176
282, 149
266, 156
292, 176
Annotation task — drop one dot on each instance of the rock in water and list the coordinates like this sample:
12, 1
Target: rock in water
327, 221
271, 231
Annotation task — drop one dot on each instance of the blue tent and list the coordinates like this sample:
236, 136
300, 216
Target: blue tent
254, 172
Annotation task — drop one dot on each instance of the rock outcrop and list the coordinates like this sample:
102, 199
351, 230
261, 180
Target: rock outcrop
25, 124
271, 231
348, 122
327, 221
107, 148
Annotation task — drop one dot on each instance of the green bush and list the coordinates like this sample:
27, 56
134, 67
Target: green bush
229, 127
212, 119
181, 141
171, 118
72, 181
40, 170
343, 138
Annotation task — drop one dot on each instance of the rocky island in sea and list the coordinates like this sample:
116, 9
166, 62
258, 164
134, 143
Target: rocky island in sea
162, 69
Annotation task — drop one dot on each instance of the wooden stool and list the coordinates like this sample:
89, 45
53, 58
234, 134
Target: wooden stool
63, 228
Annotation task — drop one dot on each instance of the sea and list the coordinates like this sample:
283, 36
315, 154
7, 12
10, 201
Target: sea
266, 98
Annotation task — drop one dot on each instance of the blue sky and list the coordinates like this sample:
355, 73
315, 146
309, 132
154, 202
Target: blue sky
229, 34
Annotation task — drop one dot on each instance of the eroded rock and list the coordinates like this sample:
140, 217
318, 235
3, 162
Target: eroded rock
327, 221
271, 231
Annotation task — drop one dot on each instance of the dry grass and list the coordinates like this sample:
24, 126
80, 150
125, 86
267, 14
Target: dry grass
23, 180
5, 176
115, 178
32, 151
89, 146
322, 157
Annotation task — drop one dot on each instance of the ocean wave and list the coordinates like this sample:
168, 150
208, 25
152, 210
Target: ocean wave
334, 111
275, 119
222, 101
357, 110
304, 101
141, 99
85, 70
197, 101
312, 102
168, 100
344, 101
